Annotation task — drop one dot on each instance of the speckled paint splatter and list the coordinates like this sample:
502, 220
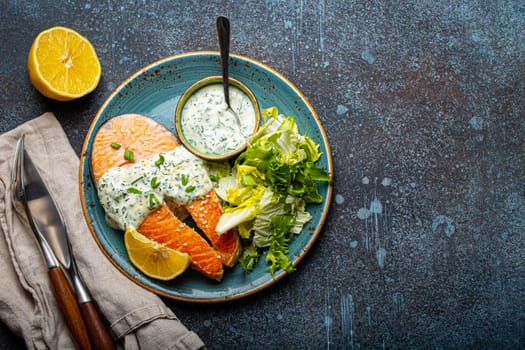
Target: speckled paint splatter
348, 320
445, 223
375, 219
328, 320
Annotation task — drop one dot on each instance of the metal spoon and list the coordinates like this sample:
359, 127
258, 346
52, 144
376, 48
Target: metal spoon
223, 32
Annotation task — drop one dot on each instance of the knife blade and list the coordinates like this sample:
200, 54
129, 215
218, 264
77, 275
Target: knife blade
47, 220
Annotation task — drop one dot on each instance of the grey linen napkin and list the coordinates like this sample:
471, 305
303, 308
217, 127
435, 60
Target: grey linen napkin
138, 318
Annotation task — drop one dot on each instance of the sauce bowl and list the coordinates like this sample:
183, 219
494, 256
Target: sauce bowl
206, 126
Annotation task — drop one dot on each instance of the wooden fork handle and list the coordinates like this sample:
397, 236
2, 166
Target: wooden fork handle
99, 333
68, 304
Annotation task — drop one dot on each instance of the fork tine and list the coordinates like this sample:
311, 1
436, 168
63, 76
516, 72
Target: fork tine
16, 172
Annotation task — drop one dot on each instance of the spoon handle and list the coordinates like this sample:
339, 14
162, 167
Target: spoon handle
223, 31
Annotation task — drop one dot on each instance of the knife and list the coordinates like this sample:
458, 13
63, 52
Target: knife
46, 222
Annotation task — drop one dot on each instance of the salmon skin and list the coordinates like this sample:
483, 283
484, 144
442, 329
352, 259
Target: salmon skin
146, 139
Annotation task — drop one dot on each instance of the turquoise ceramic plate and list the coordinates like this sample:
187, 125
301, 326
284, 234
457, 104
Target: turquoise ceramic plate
154, 91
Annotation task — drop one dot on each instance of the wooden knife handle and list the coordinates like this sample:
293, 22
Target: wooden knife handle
68, 304
97, 329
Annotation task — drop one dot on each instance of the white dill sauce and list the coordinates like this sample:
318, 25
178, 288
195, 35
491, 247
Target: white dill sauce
129, 194
210, 127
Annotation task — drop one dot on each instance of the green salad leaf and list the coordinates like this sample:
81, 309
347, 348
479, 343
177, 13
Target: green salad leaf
266, 194
282, 234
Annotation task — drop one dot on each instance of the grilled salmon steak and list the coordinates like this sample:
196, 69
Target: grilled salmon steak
146, 139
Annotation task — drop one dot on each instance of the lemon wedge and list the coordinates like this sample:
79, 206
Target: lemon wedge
63, 65
153, 259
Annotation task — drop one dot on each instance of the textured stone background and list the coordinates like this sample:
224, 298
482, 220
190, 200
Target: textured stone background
423, 103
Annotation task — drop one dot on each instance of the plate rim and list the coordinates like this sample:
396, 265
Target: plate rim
279, 275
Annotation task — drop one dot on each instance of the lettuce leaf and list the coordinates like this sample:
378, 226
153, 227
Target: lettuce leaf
249, 257
271, 183
234, 218
288, 206
286, 159
281, 236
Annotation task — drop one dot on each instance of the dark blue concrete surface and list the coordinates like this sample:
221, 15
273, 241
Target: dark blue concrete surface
424, 106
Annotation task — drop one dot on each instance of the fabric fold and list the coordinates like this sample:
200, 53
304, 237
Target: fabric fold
138, 318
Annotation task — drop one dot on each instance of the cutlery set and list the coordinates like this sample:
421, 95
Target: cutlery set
87, 327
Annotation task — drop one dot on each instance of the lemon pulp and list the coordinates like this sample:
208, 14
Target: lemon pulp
63, 65
153, 259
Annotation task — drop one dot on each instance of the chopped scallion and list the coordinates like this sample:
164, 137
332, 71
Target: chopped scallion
153, 201
134, 190
155, 182
128, 155
184, 179
115, 145
159, 161
137, 180
190, 189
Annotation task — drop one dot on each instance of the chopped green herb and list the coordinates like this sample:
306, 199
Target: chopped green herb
159, 161
115, 145
213, 178
134, 190
184, 179
190, 189
128, 155
153, 201
137, 180
155, 182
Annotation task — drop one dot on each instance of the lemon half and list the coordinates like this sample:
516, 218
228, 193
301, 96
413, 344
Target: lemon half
153, 259
63, 65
